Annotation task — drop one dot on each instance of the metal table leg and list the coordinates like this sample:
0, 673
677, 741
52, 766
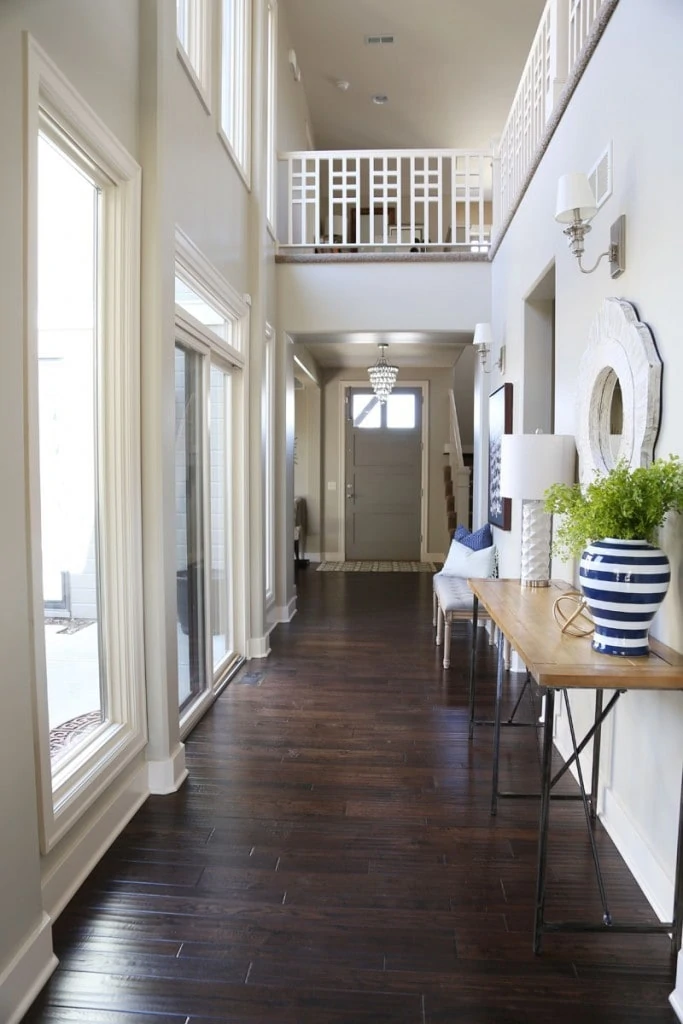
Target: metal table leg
677, 931
496, 724
473, 662
546, 763
595, 772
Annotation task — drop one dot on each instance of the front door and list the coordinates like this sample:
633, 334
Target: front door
383, 475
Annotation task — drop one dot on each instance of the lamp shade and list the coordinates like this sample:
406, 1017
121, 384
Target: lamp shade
574, 193
531, 463
482, 334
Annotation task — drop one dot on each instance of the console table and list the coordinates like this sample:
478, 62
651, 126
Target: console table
560, 663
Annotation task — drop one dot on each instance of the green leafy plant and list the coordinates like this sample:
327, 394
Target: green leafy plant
625, 504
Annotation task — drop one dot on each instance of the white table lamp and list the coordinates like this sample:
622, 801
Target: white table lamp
529, 465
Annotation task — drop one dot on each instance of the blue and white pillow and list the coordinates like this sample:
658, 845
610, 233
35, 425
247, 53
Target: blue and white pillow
462, 561
460, 533
478, 540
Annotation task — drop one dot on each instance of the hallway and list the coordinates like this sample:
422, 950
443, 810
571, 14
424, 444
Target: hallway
331, 857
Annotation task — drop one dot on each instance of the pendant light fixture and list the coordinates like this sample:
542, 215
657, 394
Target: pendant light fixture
382, 376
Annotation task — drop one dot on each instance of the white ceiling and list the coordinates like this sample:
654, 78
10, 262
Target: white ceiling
351, 350
450, 75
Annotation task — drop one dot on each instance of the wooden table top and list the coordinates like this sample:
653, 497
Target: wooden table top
554, 659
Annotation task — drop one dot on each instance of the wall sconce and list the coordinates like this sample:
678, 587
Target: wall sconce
483, 341
294, 65
576, 206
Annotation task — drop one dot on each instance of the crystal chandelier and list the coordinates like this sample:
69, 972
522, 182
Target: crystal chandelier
382, 376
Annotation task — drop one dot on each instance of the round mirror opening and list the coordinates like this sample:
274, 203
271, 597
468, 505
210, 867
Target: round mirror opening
611, 445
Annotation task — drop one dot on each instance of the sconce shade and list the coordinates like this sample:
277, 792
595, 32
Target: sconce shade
482, 335
574, 193
531, 463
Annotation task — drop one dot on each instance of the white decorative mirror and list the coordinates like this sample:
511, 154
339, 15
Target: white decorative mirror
619, 392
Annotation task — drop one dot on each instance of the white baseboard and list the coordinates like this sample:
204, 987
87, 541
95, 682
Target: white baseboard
285, 612
25, 975
258, 647
434, 558
313, 556
676, 997
167, 776
67, 866
333, 556
657, 887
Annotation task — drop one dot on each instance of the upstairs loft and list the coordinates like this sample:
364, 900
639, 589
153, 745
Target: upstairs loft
441, 204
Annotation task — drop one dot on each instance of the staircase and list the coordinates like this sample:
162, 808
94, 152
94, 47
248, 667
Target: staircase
457, 476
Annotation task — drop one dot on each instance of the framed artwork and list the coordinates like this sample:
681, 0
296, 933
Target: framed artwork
500, 422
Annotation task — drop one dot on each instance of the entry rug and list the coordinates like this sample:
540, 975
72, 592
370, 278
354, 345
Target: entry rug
377, 567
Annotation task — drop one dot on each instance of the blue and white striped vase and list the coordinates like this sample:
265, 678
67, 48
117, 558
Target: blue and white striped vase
624, 583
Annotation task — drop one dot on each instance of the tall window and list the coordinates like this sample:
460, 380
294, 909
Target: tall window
271, 113
69, 219
269, 460
211, 329
220, 443
193, 29
82, 310
189, 470
236, 81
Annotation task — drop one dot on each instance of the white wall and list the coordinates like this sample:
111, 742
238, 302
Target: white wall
636, 110
316, 298
439, 381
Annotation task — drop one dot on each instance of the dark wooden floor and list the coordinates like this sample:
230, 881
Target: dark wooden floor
332, 859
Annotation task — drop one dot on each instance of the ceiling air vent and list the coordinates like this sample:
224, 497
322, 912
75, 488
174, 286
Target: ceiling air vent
379, 40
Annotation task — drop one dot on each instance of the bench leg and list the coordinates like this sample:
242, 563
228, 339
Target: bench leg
439, 626
435, 608
447, 641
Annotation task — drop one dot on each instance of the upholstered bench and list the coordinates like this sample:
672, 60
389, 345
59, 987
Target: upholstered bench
453, 600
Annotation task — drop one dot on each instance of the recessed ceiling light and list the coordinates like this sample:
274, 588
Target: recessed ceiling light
380, 99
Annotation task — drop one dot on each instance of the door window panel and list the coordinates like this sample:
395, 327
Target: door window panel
401, 412
189, 531
366, 411
69, 205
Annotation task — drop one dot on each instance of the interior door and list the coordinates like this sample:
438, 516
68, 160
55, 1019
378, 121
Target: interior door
383, 482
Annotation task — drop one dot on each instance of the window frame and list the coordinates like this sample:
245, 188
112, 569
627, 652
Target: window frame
196, 58
268, 434
271, 116
81, 777
237, 109
193, 268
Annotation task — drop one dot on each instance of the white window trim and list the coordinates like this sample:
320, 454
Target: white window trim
82, 778
271, 117
195, 270
240, 98
199, 31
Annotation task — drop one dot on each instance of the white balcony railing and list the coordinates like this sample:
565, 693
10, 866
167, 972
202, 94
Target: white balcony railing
388, 199
561, 35
431, 200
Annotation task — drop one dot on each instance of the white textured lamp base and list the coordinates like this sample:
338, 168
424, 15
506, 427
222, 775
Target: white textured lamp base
535, 545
